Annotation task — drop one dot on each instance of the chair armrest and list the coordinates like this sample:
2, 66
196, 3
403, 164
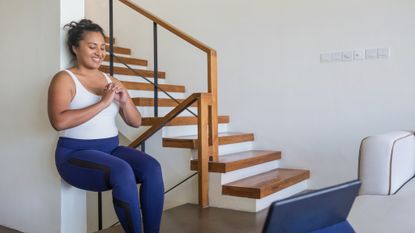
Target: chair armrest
386, 162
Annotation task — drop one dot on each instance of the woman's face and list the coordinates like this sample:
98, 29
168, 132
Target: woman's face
91, 50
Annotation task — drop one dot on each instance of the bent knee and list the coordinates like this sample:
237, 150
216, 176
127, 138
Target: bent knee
122, 173
151, 170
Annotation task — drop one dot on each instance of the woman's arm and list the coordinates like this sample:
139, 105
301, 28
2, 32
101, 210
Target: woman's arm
128, 110
61, 93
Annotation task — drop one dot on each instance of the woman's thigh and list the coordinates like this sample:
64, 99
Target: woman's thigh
93, 170
142, 164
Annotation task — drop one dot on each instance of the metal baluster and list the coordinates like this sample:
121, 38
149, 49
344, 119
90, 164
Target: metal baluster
155, 70
143, 146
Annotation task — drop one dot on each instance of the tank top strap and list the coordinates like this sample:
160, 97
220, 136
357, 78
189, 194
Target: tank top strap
107, 78
74, 78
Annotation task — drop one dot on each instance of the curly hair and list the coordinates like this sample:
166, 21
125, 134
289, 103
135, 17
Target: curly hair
77, 31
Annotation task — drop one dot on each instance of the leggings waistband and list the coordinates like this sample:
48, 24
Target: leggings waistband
102, 144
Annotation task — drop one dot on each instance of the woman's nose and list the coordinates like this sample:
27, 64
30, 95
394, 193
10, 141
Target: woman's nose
98, 52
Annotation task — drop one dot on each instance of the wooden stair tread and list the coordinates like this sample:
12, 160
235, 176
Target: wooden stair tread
162, 102
262, 185
118, 49
235, 161
128, 60
126, 71
191, 140
150, 87
107, 39
187, 120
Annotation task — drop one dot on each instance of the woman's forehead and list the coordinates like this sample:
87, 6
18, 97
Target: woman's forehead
94, 37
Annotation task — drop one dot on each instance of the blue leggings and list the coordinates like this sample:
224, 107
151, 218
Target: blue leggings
101, 165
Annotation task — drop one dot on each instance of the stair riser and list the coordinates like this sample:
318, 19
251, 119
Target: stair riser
176, 131
235, 147
162, 111
136, 79
249, 171
216, 199
230, 148
150, 94
116, 64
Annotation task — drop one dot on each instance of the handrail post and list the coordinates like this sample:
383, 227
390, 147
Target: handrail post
213, 108
203, 151
156, 72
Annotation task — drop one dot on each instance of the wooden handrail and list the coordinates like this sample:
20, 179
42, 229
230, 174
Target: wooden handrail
207, 106
204, 102
166, 119
167, 26
211, 71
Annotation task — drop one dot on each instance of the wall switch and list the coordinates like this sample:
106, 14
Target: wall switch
337, 56
383, 52
347, 56
325, 57
371, 53
359, 54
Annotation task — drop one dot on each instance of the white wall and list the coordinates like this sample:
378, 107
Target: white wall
30, 197
316, 113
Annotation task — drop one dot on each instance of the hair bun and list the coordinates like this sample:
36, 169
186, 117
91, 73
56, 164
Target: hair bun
83, 23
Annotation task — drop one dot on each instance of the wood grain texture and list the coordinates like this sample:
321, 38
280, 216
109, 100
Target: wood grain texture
162, 102
167, 26
107, 39
128, 60
213, 109
235, 161
203, 151
136, 72
120, 50
191, 141
172, 114
150, 87
187, 120
264, 184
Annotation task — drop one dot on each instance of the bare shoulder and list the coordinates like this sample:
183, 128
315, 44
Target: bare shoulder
62, 77
62, 80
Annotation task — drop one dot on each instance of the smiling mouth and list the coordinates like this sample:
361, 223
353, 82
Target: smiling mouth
97, 60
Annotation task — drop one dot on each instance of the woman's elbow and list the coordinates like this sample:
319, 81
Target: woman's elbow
136, 124
58, 125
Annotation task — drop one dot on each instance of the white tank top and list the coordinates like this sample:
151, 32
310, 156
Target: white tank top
101, 125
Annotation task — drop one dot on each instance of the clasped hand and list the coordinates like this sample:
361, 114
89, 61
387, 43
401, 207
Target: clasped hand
113, 91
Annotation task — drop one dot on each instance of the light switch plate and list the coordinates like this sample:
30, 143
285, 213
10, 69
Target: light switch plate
383, 52
359, 54
371, 53
347, 56
325, 57
337, 56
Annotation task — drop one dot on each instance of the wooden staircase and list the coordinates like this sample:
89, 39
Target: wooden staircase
243, 178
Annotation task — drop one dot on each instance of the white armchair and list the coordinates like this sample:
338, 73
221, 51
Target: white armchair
387, 196
386, 162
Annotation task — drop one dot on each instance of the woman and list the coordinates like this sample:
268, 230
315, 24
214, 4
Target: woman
82, 105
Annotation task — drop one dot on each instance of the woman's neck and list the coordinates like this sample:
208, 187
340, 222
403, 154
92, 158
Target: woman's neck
84, 70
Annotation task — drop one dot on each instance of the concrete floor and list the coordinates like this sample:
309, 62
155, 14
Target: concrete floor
190, 219
7, 230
